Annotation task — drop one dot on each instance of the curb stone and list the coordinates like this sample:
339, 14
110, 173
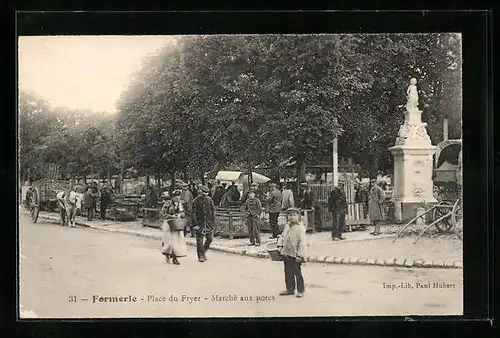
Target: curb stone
399, 262
427, 264
418, 262
321, 259
362, 261
312, 259
450, 264
408, 263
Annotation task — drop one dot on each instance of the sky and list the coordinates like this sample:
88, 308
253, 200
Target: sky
83, 72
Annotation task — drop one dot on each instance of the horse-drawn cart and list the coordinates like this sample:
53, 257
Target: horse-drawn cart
42, 196
447, 179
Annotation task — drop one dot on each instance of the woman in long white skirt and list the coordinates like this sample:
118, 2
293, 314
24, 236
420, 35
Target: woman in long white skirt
174, 243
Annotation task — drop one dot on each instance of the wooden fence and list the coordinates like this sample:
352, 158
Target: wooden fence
356, 216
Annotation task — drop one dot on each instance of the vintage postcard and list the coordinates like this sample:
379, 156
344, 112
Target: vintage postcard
240, 175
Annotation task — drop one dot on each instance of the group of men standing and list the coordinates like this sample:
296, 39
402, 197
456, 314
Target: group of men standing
92, 195
276, 201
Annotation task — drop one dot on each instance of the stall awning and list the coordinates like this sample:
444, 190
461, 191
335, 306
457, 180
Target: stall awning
234, 176
228, 175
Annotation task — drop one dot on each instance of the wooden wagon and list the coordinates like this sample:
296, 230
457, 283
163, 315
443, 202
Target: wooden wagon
42, 195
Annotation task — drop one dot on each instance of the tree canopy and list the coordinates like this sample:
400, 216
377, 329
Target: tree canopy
210, 102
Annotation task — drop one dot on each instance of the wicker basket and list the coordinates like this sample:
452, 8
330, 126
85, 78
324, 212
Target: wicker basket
272, 249
177, 224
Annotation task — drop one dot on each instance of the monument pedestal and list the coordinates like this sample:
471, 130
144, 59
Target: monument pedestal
413, 186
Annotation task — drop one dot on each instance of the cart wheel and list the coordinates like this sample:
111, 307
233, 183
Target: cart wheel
35, 205
445, 224
456, 215
34, 214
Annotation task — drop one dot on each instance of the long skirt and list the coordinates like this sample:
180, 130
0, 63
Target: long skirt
376, 213
174, 242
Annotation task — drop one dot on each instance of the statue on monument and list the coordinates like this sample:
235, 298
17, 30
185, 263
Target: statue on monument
412, 95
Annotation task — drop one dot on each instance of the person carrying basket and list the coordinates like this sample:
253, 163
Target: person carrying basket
292, 246
174, 243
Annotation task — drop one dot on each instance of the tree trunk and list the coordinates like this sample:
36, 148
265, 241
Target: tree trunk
109, 176
202, 177
186, 178
301, 170
158, 177
119, 179
250, 178
172, 181
147, 180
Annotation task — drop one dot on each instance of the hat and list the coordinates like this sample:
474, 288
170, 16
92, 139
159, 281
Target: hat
255, 184
204, 188
304, 184
185, 185
176, 193
290, 210
273, 185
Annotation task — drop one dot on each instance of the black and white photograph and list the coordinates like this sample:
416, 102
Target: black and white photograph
240, 175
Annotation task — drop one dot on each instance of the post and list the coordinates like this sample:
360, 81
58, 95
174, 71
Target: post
335, 176
445, 129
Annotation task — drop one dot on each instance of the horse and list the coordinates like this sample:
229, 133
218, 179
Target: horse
69, 203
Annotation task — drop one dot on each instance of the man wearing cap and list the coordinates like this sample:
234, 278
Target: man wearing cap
306, 200
292, 246
337, 205
253, 187
274, 208
187, 198
287, 200
253, 208
204, 222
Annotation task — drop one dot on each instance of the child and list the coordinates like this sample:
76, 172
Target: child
292, 246
412, 94
253, 208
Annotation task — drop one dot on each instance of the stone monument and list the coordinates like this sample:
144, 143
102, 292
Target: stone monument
413, 161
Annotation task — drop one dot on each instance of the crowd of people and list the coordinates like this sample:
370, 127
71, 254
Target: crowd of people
190, 210
196, 215
278, 199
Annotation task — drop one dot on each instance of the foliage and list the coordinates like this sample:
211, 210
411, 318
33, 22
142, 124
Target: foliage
211, 102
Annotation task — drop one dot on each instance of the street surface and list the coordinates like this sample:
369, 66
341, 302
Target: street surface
60, 267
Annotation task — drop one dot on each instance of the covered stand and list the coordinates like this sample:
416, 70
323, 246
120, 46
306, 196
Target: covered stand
231, 221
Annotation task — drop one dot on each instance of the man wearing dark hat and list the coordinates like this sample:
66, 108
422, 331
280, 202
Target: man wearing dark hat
274, 208
204, 222
337, 205
306, 198
292, 246
187, 198
217, 196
